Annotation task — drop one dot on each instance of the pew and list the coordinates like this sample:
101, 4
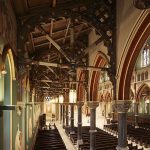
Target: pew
49, 139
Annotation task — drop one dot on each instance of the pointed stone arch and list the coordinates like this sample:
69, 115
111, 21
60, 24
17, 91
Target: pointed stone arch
135, 47
7, 65
8, 52
81, 89
132, 95
99, 62
140, 90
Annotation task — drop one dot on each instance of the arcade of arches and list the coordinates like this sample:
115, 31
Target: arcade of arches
77, 66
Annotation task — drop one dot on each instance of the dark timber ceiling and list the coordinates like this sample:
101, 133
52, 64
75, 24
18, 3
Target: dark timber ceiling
53, 37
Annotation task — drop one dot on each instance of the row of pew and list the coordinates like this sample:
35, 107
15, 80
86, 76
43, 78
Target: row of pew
139, 136
144, 126
49, 139
104, 141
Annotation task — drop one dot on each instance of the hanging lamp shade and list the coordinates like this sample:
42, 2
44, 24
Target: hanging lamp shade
61, 98
72, 96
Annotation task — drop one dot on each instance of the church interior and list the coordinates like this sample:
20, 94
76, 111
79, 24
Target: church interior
75, 74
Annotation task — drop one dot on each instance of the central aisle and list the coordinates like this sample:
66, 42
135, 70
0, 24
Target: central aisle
64, 136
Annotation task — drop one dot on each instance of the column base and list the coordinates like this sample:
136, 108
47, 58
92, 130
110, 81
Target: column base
136, 127
122, 148
72, 132
67, 126
79, 142
92, 131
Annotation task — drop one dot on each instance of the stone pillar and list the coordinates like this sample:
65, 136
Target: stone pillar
147, 107
92, 105
57, 111
63, 118
113, 113
60, 113
122, 106
72, 119
67, 116
136, 114
79, 139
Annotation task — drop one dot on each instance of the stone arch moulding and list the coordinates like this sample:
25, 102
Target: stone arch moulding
93, 91
132, 94
131, 57
8, 52
80, 89
140, 89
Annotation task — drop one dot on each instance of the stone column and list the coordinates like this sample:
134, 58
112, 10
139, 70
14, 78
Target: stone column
122, 106
67, 116
147, 107
92, 105
136, 114
63, 118
60, 113
79, 139
113, 113
72, 119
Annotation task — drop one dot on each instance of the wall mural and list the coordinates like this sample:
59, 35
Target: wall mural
18, 140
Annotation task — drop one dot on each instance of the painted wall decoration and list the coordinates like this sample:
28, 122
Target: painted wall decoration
19, 111
18, 140
30, 128
30, 123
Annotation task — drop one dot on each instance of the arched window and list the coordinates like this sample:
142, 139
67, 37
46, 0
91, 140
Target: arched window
145, 57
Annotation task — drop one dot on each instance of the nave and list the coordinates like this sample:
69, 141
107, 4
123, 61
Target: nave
81, 64
79, 137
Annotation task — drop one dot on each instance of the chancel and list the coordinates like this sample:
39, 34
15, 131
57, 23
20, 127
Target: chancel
75, 74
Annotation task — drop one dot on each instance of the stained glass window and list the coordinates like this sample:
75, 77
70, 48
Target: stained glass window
145, 57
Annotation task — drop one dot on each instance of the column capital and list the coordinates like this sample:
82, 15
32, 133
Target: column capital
72, 104
80, 103
121, 106
92, 104
65, 103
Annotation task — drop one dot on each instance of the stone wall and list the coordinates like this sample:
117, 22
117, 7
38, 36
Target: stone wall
8, 25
